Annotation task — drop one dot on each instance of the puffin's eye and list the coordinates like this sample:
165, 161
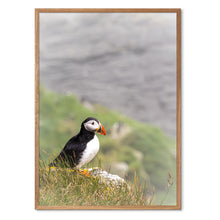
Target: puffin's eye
93, 123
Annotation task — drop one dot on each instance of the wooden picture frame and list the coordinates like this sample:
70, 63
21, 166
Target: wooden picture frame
178, 104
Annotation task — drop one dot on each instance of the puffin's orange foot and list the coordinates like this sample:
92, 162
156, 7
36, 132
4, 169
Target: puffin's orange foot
85, 172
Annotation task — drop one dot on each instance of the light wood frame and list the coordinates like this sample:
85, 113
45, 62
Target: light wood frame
178, 103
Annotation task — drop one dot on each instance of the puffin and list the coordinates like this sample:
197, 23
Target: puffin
81, 148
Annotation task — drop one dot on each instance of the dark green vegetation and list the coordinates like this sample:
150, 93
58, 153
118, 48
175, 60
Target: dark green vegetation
129, 146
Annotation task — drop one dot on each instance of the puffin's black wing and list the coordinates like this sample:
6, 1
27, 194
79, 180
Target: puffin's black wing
71, 153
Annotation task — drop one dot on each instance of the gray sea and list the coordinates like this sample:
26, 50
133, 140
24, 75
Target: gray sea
124, 61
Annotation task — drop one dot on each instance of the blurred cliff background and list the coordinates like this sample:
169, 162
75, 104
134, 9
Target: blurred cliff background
120, 68
126, 62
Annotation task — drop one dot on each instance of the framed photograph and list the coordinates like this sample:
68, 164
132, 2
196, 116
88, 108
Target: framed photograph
108, 108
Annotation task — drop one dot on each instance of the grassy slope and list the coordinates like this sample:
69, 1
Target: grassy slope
60, 119
62, 187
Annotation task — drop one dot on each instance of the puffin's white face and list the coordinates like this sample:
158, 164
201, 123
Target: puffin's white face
92, 125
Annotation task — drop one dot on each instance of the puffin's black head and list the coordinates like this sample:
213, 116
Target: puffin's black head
93, 124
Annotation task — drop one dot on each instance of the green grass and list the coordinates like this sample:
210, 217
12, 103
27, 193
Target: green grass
145, 149
64, 187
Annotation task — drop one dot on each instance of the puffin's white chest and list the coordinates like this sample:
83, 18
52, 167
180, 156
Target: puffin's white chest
89, 153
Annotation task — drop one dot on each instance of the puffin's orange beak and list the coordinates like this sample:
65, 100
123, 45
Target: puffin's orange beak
101, 129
